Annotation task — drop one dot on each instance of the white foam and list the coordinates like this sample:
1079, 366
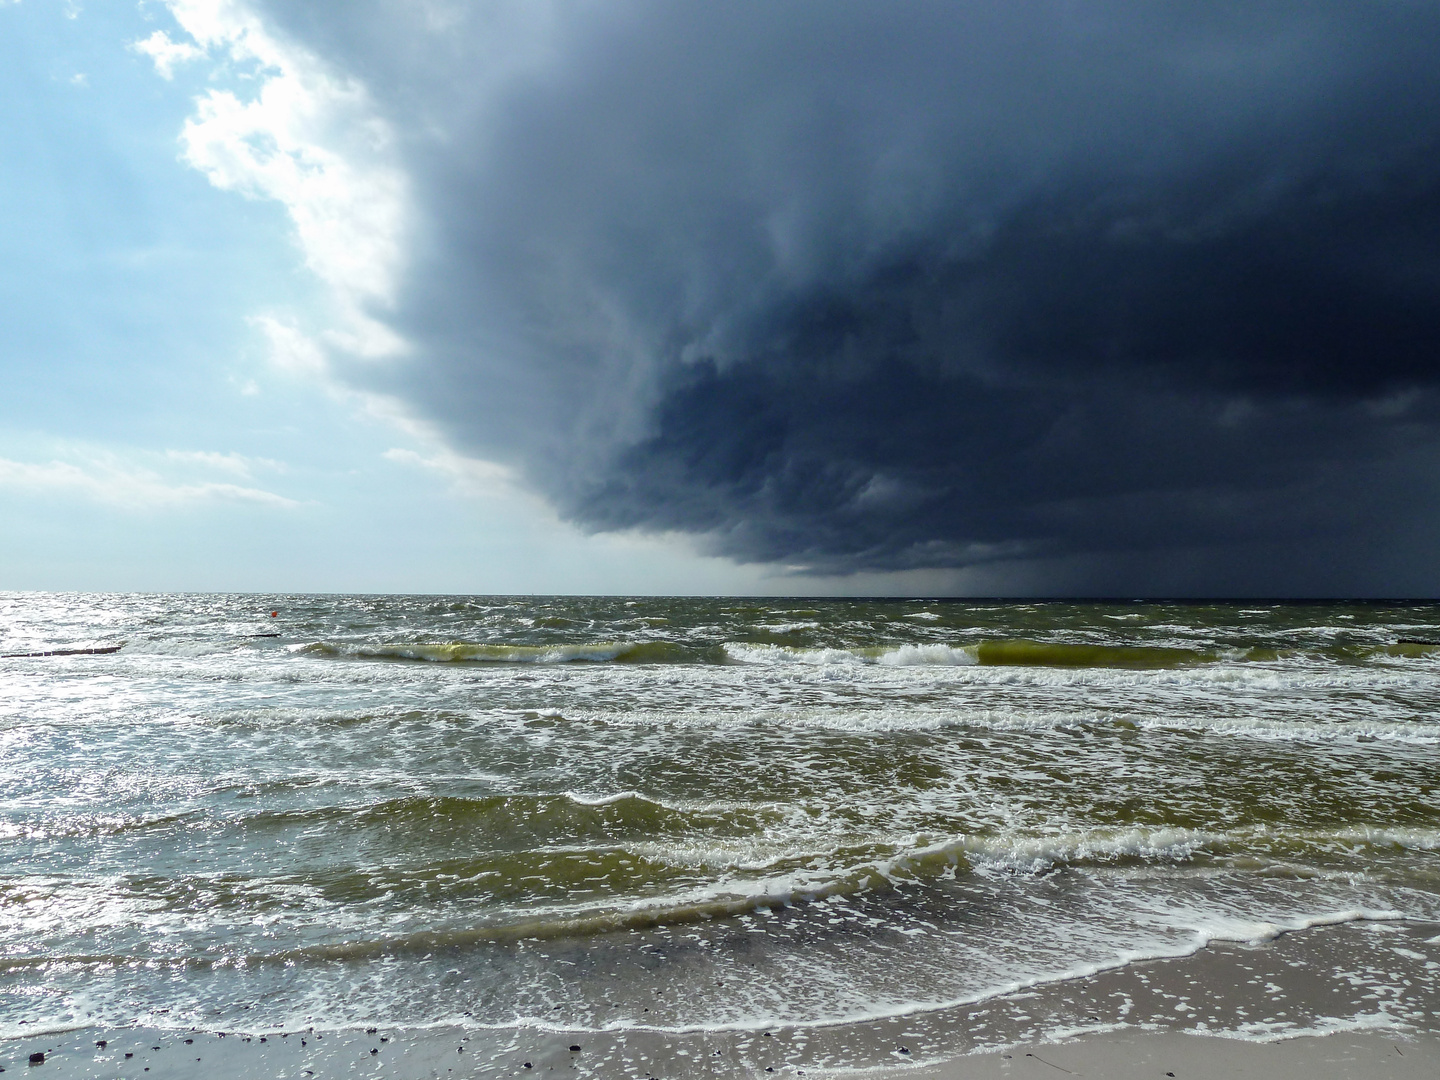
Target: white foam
606, 800
1034, 854
918, 655
1279, 1031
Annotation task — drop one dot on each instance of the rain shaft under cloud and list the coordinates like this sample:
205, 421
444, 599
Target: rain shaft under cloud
1097, 287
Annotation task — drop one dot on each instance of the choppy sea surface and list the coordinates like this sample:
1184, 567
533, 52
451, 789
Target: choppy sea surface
683, 813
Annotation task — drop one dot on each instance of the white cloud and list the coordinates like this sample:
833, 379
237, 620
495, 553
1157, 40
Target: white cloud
310, 139
292, 350
471, 476
106, 479
166, 53
236, 464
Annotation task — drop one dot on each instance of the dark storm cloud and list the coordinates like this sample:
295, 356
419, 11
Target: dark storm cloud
893, 285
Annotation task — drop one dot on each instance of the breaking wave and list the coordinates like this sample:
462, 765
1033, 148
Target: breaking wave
990, 652
611, 652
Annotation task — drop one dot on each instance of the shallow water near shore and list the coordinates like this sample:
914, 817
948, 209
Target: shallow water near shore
685, 815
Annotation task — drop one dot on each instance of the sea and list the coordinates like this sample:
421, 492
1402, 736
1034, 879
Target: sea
285, 812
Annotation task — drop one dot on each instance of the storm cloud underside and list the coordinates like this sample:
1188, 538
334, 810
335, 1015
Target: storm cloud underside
862, 286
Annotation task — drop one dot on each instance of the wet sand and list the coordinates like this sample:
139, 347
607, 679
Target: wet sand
1161, 1055
1356, 1000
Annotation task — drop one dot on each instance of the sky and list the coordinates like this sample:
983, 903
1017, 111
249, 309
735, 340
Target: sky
1037, 298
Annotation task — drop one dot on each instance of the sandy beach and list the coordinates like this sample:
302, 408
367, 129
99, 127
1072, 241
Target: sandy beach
1356, 1000
152, 1054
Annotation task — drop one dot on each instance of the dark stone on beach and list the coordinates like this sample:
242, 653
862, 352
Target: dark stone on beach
37, 1058
574, 1047
528, 1065
369, 1031
904, 1049
188, 1041
100, 1043
374, 1049
129, 1055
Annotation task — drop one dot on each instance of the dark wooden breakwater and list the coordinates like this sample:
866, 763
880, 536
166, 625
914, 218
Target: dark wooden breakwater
61, 652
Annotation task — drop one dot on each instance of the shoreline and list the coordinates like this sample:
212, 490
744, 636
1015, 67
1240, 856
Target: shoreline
1355, 999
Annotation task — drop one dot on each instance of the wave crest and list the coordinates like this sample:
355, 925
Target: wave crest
617, 652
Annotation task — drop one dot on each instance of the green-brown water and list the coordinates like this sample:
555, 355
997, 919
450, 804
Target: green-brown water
682, 813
